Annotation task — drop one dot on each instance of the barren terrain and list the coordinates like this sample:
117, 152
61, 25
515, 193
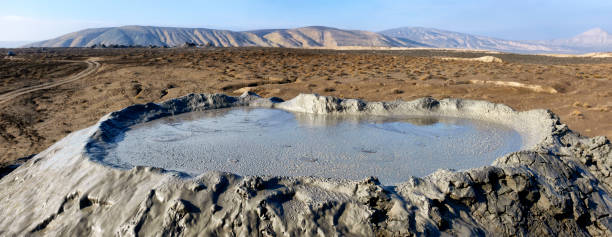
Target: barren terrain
578, 89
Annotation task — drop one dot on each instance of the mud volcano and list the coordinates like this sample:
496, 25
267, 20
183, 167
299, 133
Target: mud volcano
153, 170
275, 142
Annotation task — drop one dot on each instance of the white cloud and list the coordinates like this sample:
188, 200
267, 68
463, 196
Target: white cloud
20, 28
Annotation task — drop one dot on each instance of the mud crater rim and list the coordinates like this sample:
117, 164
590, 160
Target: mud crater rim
115, 125
186, 131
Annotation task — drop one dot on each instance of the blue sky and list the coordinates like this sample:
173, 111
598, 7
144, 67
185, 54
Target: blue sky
520, 19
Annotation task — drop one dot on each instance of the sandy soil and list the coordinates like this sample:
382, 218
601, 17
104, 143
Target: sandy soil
579, 90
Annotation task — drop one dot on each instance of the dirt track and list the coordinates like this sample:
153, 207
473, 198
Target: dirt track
92, 66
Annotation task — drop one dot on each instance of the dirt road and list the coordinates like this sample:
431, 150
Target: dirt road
92, 66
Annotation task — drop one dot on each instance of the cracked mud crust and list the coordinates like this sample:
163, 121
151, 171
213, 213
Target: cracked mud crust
560, 183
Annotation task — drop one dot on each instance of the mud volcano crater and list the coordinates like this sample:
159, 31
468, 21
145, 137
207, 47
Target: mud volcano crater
258, 141
241, 166
251, 136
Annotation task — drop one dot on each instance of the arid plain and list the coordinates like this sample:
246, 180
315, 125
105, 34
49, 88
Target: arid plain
578, 89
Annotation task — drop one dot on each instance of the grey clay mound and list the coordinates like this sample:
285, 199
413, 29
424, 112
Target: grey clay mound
557, 183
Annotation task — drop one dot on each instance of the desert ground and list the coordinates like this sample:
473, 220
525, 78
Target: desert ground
53, 102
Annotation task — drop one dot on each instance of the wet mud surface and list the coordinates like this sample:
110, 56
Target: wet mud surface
274, 142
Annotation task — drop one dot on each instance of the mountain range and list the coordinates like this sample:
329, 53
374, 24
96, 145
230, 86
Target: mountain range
312, 36
593, 40
449, 39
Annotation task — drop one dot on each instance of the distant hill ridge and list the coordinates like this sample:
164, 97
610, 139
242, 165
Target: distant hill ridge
314, 36
594, 40
449, 39
590, 41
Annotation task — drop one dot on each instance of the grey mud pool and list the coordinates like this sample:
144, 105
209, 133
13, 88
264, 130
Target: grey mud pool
273, 142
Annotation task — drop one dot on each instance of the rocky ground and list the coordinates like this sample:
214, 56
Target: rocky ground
577, 89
